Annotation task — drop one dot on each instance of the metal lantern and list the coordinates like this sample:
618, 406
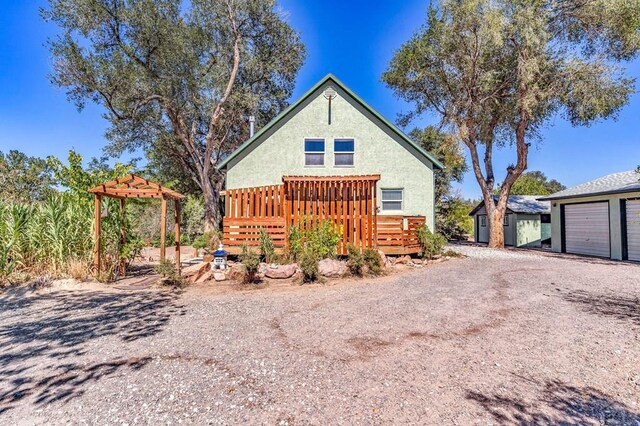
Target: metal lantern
220, 258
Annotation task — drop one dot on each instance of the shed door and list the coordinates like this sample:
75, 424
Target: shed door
633, 230
586, 228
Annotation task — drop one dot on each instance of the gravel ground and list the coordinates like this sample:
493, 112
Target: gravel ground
499, 337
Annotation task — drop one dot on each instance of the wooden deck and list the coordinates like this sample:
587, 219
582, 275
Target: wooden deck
349, 202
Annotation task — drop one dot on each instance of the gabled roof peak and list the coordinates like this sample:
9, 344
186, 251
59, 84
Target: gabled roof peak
307, 94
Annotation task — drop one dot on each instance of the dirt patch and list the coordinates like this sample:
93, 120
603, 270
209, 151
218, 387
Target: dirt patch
494, 339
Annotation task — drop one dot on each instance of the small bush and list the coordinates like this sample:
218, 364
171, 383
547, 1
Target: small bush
200, 242
294, 248
432, 244
372, 260
452, 253
355, 261
250, 262
167, 269
267, 248
132, 250
322, 238
309, 266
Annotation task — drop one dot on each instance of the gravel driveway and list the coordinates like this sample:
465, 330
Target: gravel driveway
500, 337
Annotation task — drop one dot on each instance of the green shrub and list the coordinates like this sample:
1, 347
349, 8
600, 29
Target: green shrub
294, 248
167, 269
132, 250
432, 244
267, 248
373, 261
322, 238
251, 263
202, 241
355, 261
309, 266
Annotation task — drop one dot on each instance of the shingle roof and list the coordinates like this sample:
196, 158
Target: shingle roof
527, 204
610, 184
330, 77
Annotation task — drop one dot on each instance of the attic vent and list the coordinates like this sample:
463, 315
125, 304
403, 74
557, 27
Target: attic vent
330, 93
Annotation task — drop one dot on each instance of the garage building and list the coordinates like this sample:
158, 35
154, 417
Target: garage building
598, 218
527, 222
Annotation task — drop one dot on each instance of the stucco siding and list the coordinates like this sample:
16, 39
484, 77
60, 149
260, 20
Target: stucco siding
377, 151
615, 222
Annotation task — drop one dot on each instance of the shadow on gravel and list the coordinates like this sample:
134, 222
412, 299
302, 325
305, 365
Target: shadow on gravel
619, 307
559, 404
45, 333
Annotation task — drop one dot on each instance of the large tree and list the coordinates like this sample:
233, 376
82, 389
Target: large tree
25, 179
177, 78
535, 183
497, 71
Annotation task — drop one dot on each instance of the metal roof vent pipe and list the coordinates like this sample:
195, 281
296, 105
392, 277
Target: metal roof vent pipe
252, 123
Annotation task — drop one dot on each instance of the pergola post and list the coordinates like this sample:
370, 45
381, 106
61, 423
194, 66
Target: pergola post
96, 226
163, 229
123, 235
177, 232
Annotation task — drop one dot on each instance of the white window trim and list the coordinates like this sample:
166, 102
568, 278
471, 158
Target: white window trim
382, 200
344, 152
324, 153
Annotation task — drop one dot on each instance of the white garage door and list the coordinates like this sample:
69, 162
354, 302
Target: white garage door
587, 229
633, 229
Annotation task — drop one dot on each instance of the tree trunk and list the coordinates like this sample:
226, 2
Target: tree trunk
211, 207
496, 228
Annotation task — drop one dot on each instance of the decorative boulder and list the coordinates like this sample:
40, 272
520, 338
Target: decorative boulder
384, 261
207, 276
281, 271
332, 268
194, 272
236, 272
403, 260
219, 276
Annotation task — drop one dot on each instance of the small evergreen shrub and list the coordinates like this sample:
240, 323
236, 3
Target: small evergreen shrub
250, 262
355, 261
267, 248
372, 260
432, 244
167, 269
309, 266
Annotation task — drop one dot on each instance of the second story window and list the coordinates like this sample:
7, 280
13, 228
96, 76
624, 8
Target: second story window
314, 152
343, 151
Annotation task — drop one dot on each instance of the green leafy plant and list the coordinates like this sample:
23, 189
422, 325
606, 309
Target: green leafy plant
250, 263
432, 244
167, 269
322, 238
372, 260
294, 248
309, 266
267, 248
355, 261
132, 250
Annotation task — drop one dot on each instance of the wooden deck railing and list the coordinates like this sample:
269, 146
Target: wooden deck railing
399, 234
348, 201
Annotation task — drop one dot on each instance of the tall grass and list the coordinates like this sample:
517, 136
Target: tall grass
54, 237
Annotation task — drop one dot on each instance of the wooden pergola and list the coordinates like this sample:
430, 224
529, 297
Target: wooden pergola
132, 186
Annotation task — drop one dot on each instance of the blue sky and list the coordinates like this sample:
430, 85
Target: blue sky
355, 40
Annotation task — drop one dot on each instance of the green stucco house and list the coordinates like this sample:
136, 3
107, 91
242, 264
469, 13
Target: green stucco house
330, 131
527, 222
